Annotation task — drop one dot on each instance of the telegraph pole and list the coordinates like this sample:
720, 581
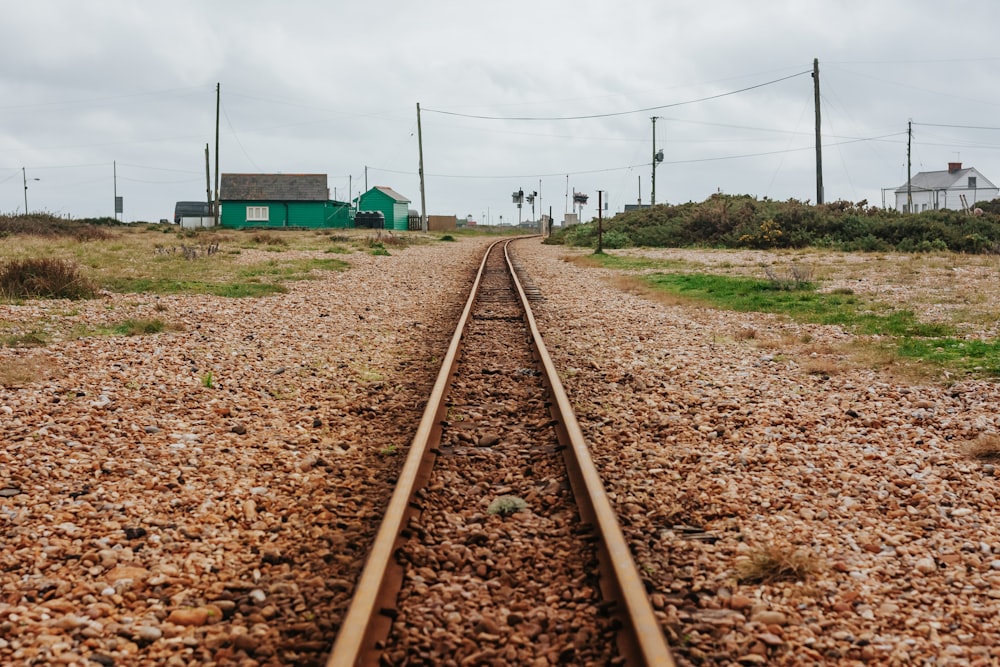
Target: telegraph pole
217, 103
909, 187
600, 222
819, 139
423, 199
208, 178
652, 199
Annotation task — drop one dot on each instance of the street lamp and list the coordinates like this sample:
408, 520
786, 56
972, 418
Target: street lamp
24, 177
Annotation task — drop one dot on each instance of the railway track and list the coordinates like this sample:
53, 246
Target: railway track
499, 545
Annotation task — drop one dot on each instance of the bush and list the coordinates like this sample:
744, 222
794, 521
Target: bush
735, 221
614, 240
43, 278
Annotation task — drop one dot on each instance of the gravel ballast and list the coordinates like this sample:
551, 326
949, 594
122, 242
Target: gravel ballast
207, 494
719, 448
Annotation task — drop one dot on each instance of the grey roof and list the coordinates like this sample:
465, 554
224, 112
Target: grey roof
945, 180
392, 193
274, 187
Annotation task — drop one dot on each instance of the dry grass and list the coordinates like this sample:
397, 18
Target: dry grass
637, 287
822, 366
776, 562
266, 239
22, 370
43, 277
984, 448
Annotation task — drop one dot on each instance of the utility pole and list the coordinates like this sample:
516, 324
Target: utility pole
423, 198
819, 138
217, 104
909, 187
652, 198
114, 174
657, 159
208, 179
567, 193
600, 222
366, 178
540, 214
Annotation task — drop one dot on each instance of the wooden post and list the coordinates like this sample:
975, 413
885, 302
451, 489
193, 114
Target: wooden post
819, 138
423, 199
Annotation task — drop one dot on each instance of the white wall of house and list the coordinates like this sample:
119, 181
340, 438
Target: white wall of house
950, 198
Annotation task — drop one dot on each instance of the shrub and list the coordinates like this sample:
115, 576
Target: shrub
615, 239
985, 448
775, 563
43, 278
507, 505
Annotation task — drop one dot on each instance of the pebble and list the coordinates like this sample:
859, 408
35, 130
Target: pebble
769, 618
194, 616
148, 633
489, 440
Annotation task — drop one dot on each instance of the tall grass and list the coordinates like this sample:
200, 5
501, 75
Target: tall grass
43, 278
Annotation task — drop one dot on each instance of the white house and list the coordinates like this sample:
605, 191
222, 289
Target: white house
958, 189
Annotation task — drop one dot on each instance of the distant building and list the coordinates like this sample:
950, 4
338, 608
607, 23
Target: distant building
280, 200
393, 205
955, 188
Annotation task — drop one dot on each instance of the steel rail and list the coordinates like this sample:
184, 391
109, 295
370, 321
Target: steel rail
368, 619
640, 639
369, 616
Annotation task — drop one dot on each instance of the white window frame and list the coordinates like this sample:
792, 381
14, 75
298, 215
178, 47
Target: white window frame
258, 213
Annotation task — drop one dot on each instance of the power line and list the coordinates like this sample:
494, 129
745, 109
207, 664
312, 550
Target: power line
633, 166
964, 127
621, 113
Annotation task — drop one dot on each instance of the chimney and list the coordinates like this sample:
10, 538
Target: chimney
954, 166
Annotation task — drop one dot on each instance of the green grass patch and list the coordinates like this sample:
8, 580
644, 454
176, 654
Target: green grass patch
27, 339
630, 263
971, 357
299, 269
800, 302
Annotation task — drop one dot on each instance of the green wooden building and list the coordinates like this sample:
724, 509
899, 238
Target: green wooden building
393, 205
280, 200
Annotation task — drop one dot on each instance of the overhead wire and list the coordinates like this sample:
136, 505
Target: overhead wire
641, 164
620, 113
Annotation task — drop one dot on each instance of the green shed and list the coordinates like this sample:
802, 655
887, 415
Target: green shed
393, 205
280, 200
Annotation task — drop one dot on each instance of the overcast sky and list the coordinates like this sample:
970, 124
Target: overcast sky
310, 86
